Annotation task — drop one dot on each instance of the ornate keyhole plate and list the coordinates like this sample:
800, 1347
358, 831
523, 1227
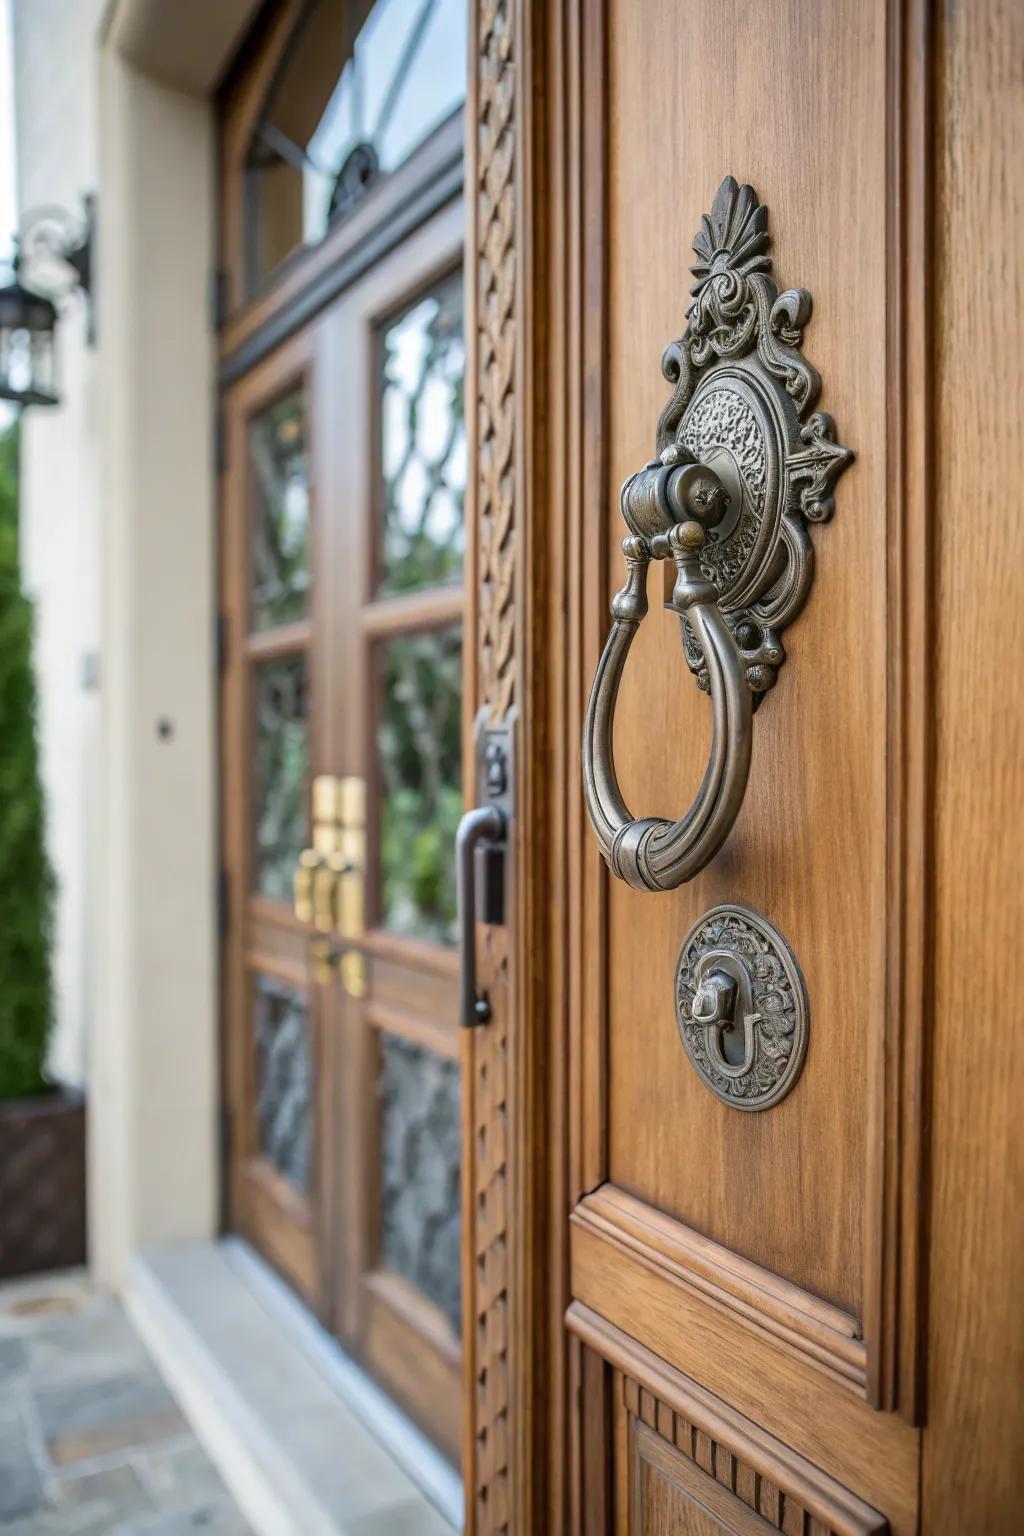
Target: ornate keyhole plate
742, 1007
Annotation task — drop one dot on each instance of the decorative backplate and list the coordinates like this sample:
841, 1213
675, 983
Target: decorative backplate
742, 1007
743, 403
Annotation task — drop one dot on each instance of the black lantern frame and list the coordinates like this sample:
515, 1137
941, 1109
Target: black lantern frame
53, 257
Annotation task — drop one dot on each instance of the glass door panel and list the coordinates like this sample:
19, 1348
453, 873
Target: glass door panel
272, 1050
394, 465
342, 741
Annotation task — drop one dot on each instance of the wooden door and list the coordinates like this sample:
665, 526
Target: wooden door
343, 538
390, 420
689, 1317
747, 1276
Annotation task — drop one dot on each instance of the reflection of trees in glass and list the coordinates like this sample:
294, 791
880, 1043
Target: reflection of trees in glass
423, 443
419, 1170
282, 773
280, 525
284, 1089
418, 744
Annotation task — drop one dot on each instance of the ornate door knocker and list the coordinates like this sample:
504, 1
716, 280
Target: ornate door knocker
744, 464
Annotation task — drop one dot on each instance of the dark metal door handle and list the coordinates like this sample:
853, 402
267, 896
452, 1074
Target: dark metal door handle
744, 463
484, 825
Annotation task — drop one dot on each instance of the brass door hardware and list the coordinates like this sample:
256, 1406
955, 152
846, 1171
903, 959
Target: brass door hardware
481, 845
742, 1007
324, 956
302, 885
330, 878
744, 465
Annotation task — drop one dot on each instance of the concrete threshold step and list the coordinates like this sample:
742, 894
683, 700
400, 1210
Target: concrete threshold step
306, 1443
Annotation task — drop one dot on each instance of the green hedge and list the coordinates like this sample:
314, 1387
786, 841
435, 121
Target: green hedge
26, 880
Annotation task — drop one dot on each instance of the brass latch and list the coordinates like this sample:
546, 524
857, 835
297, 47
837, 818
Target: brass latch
330, 879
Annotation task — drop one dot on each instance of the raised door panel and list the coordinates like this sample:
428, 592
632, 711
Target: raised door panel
742, 89
686, 1463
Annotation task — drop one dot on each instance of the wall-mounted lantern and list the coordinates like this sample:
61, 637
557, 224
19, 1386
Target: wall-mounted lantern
53, 257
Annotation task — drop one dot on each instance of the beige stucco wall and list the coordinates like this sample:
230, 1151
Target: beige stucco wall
153, 1079
119, 519
55, 63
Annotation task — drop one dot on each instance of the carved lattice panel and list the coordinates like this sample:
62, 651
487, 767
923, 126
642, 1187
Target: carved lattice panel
488, 1471
680, 1466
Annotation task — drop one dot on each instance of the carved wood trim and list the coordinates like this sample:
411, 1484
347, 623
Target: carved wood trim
490, 678
737, 1498
504, 1169
496, 334
772, 1479
638, 1317
814, 1329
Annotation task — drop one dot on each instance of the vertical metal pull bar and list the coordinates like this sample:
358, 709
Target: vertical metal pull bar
486, 824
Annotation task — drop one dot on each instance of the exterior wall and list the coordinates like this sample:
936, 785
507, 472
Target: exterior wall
55, 66
120, 551
153, 1141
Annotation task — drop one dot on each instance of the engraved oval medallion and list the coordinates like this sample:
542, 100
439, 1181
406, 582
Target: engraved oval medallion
731, 426
741, 1005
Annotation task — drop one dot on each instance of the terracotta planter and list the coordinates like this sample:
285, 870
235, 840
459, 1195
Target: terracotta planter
42, 1183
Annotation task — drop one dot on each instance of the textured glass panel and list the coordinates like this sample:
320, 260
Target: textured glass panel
423, 442
419, 1170
362, 87
284, 1092
280, 787
419, 751
280, 522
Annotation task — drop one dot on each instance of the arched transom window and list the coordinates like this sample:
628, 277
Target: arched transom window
361, 86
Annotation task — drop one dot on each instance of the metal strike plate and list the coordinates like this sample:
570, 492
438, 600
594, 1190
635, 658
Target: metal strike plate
742, 1009
495, 786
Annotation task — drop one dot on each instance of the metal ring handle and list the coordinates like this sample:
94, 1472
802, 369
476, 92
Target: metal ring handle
652, 853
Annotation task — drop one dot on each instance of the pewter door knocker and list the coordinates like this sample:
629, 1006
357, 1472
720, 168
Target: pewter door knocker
744, 464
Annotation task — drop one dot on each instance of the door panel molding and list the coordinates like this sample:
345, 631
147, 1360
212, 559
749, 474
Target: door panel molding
830, 1437
810, 1328
897, 1067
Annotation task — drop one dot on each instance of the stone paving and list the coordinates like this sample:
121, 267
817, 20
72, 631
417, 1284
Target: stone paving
91, 1441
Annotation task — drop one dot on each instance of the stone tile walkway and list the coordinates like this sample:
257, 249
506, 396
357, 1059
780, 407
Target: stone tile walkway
91, 1441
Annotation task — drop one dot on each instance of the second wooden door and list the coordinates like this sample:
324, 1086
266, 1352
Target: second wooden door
343, 552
